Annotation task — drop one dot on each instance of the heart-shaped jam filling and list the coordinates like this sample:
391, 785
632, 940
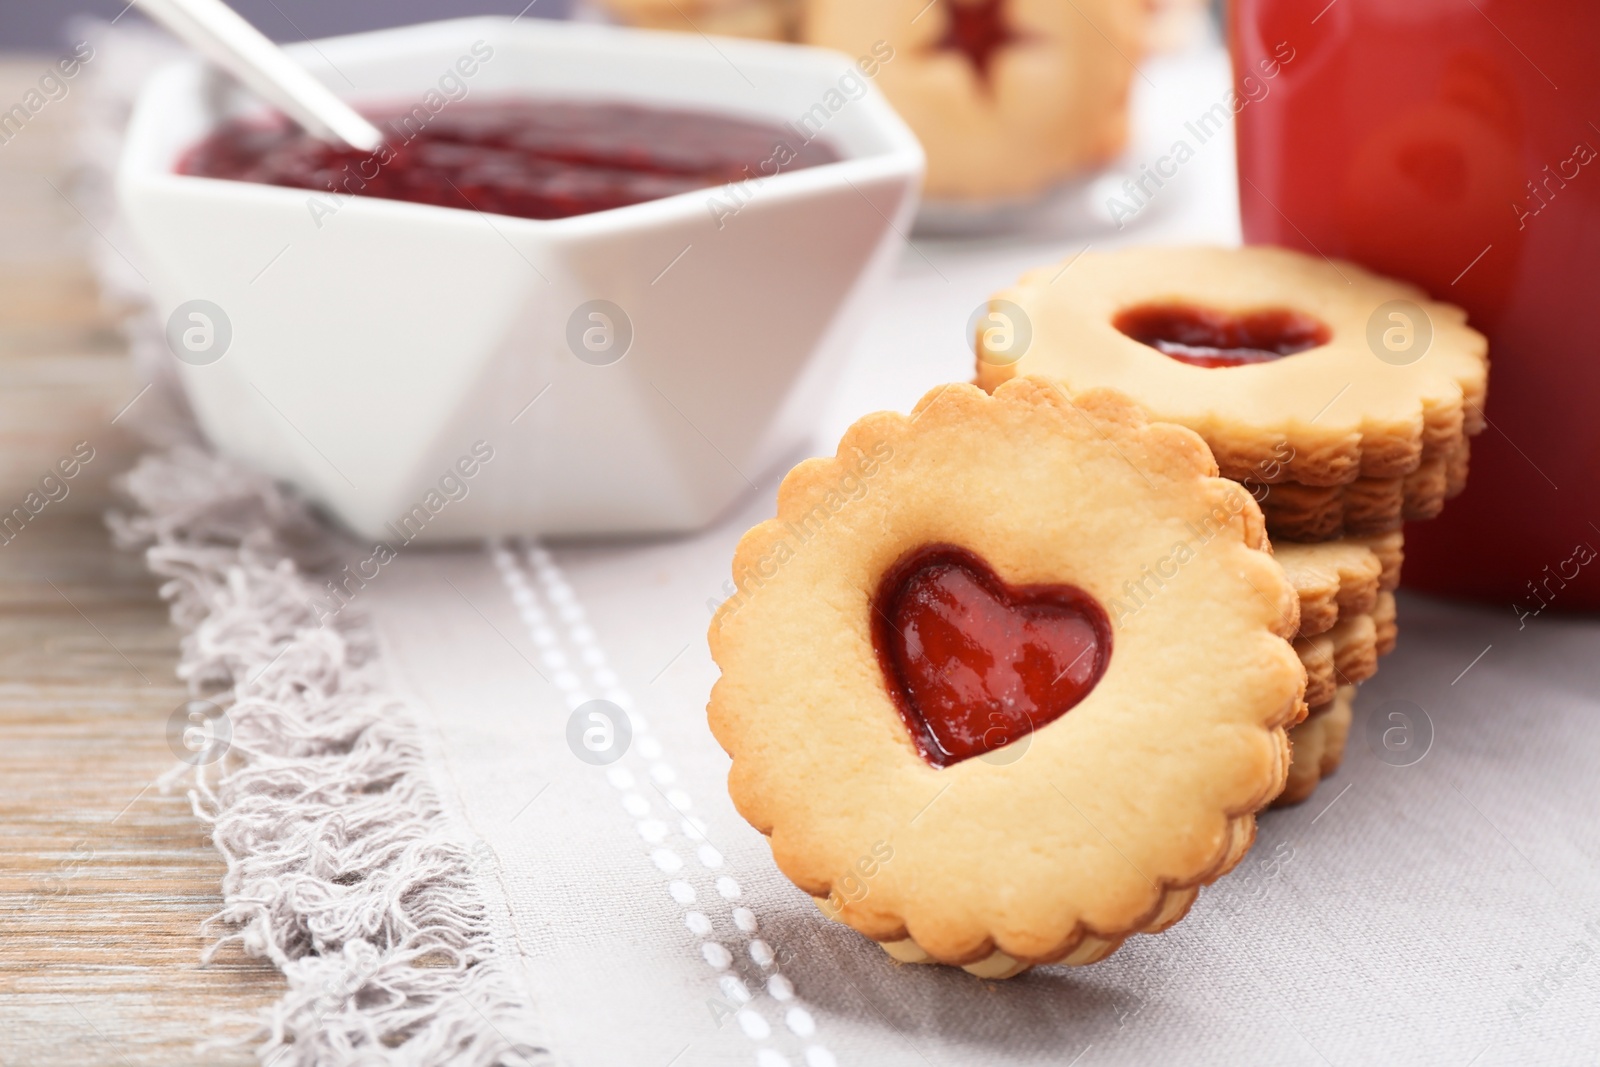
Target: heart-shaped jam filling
1202, 337
974, 664
978, 30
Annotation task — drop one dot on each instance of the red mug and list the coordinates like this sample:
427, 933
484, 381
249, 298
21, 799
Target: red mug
1454, 143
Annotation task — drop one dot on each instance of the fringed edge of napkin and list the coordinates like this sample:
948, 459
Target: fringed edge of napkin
343, 867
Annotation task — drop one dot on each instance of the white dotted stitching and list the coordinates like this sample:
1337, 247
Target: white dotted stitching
800, 1021
755, 1026
581, 638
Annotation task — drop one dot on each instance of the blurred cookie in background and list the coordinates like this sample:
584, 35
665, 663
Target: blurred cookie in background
1009, 97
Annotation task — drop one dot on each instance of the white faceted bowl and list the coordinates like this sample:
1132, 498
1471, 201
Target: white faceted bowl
374, 347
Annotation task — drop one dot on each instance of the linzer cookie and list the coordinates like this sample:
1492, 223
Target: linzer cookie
961, 734
1390, 550
1318, 747
1366, 506
1348, 397
1347, 609
1385, 620
1344, 655
1333, 580
1347, 621
1008, 97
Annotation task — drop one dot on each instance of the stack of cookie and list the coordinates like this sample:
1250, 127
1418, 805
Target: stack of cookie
1347, 620
1344, 402
1006, 681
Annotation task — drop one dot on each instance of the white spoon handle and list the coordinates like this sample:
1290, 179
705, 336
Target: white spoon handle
224, 37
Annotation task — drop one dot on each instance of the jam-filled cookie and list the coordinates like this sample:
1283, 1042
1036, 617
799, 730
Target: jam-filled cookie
1005, 681
1009, 97
1334, 579
1317, 747
1347, 608
1353, 577
1347, 396
1366, 506
1385, 620
1344, 655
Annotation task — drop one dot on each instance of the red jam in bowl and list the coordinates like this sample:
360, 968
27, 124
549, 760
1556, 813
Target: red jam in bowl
530, 159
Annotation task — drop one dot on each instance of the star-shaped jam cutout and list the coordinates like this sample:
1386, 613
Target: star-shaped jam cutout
977, 30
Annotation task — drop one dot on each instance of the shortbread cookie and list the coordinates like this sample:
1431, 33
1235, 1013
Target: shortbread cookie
1390, 550
1365, 506
1272, 357
1385, 623
1345, 655
1317, 747
766, 19
1347, 608
1336, 579
1009, 97
1005, 681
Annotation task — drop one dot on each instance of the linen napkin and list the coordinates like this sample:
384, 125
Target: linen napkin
1435, 908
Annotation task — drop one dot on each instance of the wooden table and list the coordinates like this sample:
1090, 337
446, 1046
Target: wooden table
104, 881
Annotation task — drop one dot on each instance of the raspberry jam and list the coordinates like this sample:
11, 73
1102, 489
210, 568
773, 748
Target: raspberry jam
1205, 338
529, 159
977, 30
974, 664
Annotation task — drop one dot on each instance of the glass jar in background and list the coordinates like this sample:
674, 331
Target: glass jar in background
1454, 143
